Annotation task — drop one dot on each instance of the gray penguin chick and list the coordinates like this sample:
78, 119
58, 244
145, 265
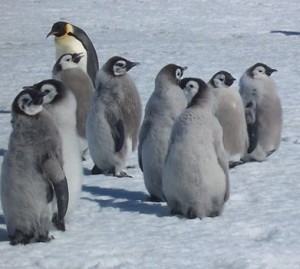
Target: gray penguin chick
67, 70
195, 174
31, 169
164, 106
229, 110
60, 102
114, 117
263, 111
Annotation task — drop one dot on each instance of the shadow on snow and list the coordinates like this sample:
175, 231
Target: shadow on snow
288, 33
136, 201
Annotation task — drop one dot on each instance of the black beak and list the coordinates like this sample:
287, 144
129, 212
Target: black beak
76, 57
131, 64
269, 71
51, 33
230, 81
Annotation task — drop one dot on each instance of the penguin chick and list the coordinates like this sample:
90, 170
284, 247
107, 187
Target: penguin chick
229, 110
114, 118
263, 111
72, 39
164, 106
31, 169
67, 70
61, 104
195, 174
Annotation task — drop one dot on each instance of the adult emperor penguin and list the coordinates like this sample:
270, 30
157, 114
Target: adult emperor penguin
31, 169
263, 111
229, 110
72, 39
61, 104
195, 174
164, 106
67, 71
114, 119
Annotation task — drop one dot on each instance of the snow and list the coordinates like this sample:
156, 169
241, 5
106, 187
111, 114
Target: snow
115, 226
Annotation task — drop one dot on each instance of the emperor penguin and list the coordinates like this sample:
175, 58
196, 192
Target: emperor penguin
32, 171
60, 102
67, 70
114, 119
229, 110
263, 111
72, 39
164, 106
195, 173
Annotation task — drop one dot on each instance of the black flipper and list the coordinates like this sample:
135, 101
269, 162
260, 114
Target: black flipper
252, 125
50, 193
92, 59
62, 197
143, 134
119, 135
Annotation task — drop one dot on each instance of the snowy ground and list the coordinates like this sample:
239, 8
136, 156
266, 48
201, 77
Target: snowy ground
115, 226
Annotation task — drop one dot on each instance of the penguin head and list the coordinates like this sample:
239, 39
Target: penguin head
172, 72
51, 90
60, 29
260, 70
194, 89
67, 61
118, 66
28, 102
222, 79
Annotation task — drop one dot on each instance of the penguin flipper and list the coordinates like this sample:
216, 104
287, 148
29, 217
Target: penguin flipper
252, 125
143, 134
118, 132
54, 173
92, 58
222, 160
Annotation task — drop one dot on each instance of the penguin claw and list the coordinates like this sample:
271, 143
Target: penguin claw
122, 174
58, 224
235, 163
20, 238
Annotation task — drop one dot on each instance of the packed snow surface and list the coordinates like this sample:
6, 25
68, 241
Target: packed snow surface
115, 226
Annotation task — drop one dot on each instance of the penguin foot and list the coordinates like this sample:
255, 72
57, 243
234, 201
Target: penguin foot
122, 174
96, 170
20, 238
131, 166
43, 238
58, 224
270, 152
191, 213
235, 163
214, 214
155, 199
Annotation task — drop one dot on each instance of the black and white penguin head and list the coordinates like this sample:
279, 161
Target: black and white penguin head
118, 66
172, 73
260, 70
194, 89
67, 61
52, 90
28, 102
61, 28
222, 79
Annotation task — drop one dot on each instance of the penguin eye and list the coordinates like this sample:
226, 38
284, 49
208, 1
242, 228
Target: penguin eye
221, 79
178, 73
120, 64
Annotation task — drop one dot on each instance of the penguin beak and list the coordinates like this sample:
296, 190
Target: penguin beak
131, 64
269, 71
76, 57
230, 81
51, 33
